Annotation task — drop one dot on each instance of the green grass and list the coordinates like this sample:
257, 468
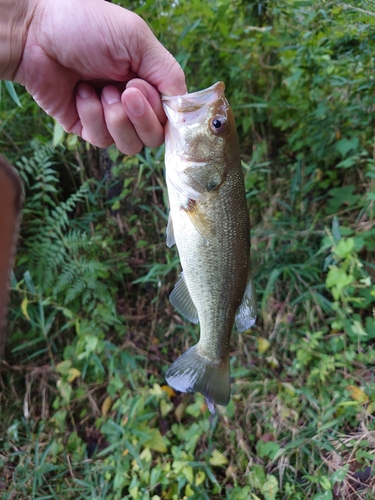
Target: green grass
84, 410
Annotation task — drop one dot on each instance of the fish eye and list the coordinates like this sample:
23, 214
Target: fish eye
218, 124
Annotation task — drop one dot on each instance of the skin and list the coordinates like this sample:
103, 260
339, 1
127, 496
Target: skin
97, 69
94, 66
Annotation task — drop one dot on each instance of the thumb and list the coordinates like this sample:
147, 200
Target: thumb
153, 62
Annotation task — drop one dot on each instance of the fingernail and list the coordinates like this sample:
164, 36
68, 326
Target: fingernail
111, 95
84, 90
134, 103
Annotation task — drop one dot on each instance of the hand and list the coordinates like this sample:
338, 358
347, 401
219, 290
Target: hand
98, 70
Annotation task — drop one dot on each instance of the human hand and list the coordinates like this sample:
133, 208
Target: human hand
98, 70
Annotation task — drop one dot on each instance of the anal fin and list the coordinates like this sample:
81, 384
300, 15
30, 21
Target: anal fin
246, 313
181, 299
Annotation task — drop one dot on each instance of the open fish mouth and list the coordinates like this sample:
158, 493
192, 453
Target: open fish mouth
191, 108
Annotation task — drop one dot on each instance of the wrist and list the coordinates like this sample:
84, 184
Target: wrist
15, 19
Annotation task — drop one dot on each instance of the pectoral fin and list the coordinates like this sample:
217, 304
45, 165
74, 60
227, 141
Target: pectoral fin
246, 314
170, 233
197, 218
181, 299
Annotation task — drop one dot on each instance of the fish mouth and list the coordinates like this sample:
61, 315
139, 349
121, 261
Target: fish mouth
191, 108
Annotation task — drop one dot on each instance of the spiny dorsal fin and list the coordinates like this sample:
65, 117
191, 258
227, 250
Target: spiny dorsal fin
181, 299
246, 313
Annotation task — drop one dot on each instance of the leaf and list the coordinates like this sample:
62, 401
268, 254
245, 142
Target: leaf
263, 345
187, 471
65, 390
63, 367
218, 459
357, 394
29, 282
12, 92
73, 374
106, 405
58, 134
24, 304
344, 247
358, 329
270, 487
337, 279
165, 407
267, 449
343, 146
146, 455
339, 475
188, 491
156, 441
199, 478
168, 390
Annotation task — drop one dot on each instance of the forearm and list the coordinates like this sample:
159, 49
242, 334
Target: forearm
15, 18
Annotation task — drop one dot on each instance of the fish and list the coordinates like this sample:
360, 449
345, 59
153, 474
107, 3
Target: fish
209, 223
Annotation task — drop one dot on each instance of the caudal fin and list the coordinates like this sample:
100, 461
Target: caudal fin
193, 372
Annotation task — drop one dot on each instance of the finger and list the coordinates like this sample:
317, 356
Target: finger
152, 95
118, 123
158, 66
149, 59
92, 124
143, 117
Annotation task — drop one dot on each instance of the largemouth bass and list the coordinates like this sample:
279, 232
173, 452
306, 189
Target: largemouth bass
209, 222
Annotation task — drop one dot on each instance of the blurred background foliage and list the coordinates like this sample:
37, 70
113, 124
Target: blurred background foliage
85, 412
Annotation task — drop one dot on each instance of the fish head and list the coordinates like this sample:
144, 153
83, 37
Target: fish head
200, 137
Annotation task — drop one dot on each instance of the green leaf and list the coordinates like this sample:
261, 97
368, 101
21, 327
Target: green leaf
358, 329
337, 279
343, 146
217, 459
339, 475
156, 441
270, 487
12, 92
64, 366
58, 134
344, 247
267, 449
187, 471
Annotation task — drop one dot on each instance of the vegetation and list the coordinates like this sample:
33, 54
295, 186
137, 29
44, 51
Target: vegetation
85, 412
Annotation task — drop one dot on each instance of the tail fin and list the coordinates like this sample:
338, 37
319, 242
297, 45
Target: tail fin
194, 372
